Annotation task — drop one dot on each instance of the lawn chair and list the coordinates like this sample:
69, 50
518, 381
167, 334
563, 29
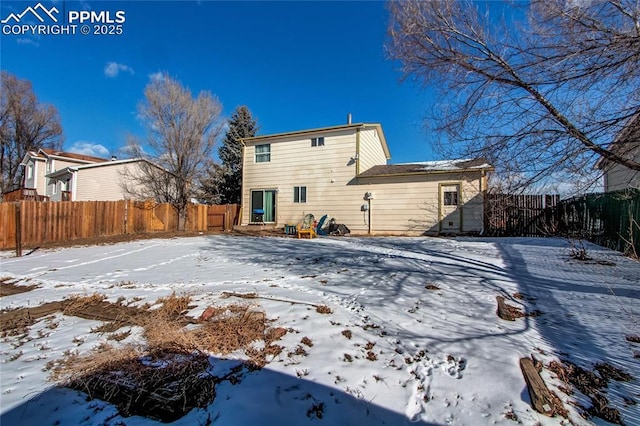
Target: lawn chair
319, 227
306, 227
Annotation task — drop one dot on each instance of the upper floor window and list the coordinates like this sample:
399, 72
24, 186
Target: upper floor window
319, 141
263, 153
49, 166
299, 194
30, 171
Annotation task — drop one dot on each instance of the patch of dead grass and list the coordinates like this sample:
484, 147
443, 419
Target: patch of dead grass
591, 385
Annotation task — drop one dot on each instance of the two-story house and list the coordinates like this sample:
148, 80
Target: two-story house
66, 176
342, 171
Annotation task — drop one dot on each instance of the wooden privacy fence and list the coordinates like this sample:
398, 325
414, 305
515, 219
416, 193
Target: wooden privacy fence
47, 222
518, 215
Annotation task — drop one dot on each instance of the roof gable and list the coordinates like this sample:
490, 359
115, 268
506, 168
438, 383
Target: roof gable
319, 131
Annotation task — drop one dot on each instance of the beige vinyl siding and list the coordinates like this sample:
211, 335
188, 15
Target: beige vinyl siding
371, 152
411, 204
41, 181
324, 170
103, 183
401, 204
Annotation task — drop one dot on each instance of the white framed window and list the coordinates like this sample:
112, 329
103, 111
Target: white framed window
263, 153
30, 171
299, 194
319, 141
450, 195
54, 187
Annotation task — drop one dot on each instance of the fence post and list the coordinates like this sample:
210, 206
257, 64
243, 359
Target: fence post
18, 231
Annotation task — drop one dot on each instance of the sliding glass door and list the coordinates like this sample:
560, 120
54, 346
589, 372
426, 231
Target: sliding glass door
263, 205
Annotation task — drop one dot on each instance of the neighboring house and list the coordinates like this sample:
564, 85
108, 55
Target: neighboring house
65, 176
37, 165
342, 171
626, 143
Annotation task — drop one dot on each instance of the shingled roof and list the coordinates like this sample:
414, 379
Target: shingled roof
427, 167
81, 157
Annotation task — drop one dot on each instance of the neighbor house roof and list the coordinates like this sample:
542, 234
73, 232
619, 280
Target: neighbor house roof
43, 153
70, 169
72, 155
428, 167
320, 130
625, 142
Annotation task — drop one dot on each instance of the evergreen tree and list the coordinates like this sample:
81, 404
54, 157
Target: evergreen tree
223, 184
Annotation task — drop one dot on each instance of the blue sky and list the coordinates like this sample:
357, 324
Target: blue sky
296, 65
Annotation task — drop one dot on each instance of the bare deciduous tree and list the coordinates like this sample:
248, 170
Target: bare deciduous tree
25, 125
540, 88
181, 133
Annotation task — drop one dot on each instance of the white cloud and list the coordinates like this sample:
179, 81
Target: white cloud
131, 150
27, 41
112, 69
88, 148
156, 76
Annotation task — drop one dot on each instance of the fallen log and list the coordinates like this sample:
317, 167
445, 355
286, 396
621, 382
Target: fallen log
541, 398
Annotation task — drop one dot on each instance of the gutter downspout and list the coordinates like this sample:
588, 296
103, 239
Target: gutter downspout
369, 213
242, 198
357, 152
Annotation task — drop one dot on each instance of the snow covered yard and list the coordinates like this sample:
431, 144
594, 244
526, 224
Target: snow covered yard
413, 335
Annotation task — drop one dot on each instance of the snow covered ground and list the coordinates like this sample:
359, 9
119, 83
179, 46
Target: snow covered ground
442, 356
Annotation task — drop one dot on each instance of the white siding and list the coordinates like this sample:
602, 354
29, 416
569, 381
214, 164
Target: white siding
56, 164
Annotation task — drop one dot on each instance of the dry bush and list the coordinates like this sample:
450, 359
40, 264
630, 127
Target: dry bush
81, 303
174, 306
167, 377
103, 357
323, 309
159, 385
